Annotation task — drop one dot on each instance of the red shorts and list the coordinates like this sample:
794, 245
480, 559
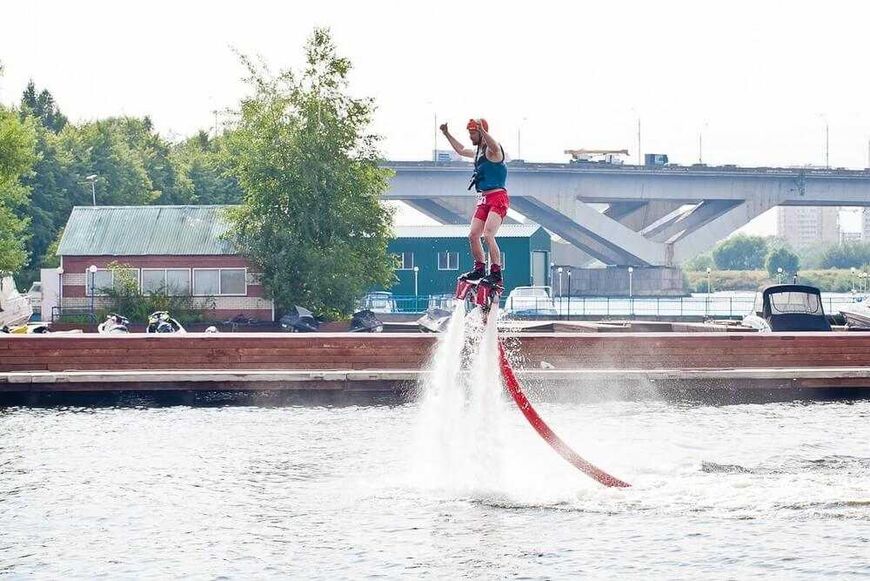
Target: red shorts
492, 201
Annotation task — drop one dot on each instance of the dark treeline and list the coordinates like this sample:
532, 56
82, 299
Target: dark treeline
132, 163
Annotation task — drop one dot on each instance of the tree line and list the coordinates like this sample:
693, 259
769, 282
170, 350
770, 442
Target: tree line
127, 161
298, 159
742, 252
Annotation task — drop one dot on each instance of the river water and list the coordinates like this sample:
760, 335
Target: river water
780, 490
444, 487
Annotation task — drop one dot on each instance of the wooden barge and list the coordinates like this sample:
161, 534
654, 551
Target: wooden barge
550, 363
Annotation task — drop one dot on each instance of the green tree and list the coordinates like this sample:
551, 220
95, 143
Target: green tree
54, 188
700, 262
103, 148
740, 252
312, 220
200, 160
17, 155
42, 106
848, 255
783, 258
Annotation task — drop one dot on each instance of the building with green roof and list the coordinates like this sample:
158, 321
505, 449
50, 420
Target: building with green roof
441, 253
174, 249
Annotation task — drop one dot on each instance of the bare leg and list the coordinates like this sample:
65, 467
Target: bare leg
477, 226
490, 228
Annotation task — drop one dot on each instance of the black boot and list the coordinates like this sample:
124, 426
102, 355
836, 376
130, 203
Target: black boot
493, 279
473, 275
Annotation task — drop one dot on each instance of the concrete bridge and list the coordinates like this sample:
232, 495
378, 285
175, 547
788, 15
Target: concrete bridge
654, 215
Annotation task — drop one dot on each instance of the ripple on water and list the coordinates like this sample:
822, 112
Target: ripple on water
319, 492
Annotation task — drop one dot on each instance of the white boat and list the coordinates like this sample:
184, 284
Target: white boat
857, 317
379, 302
15, 307
536, 301
787, 307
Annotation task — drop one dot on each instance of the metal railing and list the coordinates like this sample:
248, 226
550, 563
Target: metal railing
730, 307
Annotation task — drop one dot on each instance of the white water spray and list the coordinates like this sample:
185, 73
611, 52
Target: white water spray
461, 440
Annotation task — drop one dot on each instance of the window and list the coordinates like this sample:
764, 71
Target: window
233, 281
178, 281
217, 281
153, 280
171, 281
125, 274
98, 282
406, 261
206, 281
448, 261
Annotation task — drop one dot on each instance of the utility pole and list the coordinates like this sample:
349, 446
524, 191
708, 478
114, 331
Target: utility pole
827, 147
639, 158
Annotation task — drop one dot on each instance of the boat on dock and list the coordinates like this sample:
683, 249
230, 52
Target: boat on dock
15, 308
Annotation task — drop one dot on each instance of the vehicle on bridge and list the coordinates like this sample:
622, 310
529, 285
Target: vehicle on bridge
610, 156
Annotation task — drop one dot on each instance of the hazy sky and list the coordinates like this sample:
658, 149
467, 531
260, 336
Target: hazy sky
758, 79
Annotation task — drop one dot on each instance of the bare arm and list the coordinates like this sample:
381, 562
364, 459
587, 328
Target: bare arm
493, 149
456, 144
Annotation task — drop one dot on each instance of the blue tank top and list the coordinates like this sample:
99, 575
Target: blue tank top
490, 175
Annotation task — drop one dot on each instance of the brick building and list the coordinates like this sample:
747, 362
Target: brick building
173, 249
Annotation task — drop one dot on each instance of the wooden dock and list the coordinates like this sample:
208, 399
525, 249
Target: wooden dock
349, 362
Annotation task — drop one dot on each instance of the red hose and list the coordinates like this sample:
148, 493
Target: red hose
544, 430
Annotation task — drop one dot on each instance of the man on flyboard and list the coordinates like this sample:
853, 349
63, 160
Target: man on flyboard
488, 179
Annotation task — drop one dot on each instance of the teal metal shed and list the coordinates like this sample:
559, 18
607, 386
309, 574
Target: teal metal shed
441, 253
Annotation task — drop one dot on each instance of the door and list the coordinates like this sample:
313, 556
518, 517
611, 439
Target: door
539, 268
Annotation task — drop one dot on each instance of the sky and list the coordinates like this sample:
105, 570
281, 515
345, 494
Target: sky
756, 83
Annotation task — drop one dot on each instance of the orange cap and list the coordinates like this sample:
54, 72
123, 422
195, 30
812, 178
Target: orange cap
473, 126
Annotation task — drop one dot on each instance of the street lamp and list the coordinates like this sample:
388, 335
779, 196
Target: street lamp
569, 292
416, 272
827, 141
709, 291
852, 270
92, 269
630, 273
519, 127
59, 293
559, 270
779, 275
93, 179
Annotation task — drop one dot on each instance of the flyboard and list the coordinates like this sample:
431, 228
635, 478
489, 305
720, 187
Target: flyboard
483, 295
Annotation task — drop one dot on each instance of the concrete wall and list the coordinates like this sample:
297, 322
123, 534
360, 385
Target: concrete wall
614, 282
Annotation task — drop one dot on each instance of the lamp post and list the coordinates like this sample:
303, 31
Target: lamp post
779, 275
416, 272
827, 141
709, 292
559, 270
92, 270
569, 292
59, 292
630, 291
93, 179
852, 270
